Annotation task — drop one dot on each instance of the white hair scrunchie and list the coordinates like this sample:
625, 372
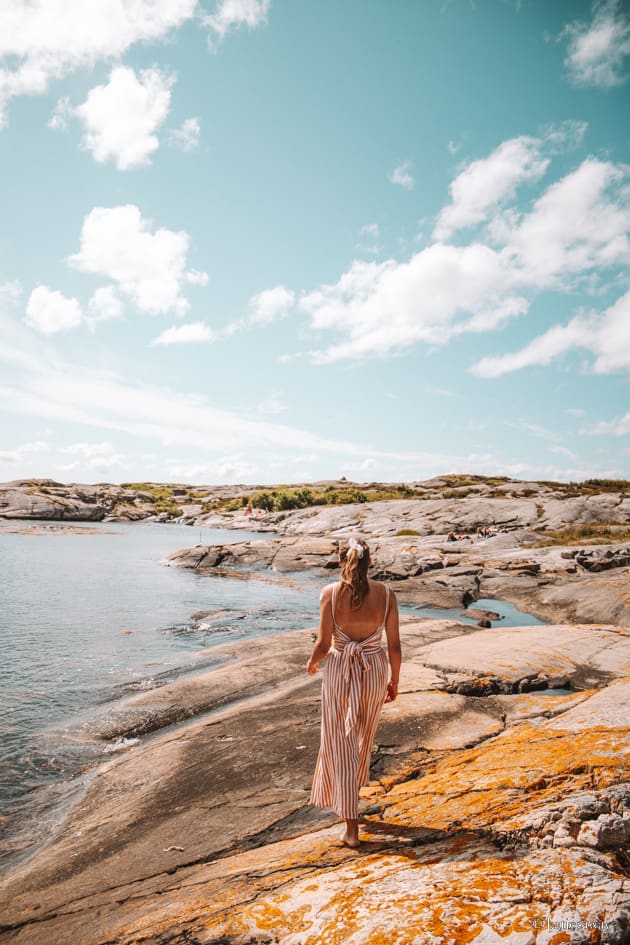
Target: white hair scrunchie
354, 544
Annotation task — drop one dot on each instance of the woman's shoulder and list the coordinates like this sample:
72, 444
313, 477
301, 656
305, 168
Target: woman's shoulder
326, 591
382, 588
380, 584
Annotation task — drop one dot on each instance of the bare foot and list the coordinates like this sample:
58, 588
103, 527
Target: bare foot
352, 842
351, 836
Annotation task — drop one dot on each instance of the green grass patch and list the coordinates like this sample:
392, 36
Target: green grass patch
605, 533
406, 531
157, 491
587, 487
160, 495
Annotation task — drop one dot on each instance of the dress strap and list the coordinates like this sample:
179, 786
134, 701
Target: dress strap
332, 605
386, 605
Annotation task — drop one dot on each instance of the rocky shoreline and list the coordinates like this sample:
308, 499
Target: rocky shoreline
487, 812
499, 809
553, 583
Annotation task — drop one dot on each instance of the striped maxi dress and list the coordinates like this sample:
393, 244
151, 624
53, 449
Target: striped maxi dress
354, 686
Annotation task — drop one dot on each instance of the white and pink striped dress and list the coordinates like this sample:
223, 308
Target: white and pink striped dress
354, 686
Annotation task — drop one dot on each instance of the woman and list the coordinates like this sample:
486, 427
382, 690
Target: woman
355, 681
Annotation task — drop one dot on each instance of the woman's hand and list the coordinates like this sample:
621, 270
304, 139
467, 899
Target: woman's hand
311, 667
392, 691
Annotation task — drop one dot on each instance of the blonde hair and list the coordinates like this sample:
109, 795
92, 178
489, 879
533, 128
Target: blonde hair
354, 571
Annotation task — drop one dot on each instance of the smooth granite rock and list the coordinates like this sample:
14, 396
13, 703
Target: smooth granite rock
489, 818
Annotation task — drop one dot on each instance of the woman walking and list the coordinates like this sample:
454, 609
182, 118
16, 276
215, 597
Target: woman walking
356, 682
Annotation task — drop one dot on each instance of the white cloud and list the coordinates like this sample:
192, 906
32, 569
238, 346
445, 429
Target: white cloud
45, 40
120, 119
63, 112
49, 311
368, 238
185, 138
232, 14
104, 304
489, 181
148, 267
19, 453
225, 469
610, 337
598, 50
562, 451
567, 136
580, 223
169, 419
195, 277
575, 231
102, 400
370, 230
442, 291
10, 295
541, 351
535, 429
575, 411
620, 426
454, 147
402, 176
273, 404
359, 466
94, 456
271, 304
185, 334
606, 336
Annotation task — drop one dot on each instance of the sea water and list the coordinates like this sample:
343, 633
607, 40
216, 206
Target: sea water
508, 615
88, 614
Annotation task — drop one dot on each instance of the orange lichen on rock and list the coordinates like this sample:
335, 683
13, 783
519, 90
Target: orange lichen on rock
494, 781
402, 901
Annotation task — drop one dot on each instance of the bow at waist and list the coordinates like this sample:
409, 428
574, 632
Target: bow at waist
353, 653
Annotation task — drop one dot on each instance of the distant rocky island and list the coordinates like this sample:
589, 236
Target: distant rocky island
499, 809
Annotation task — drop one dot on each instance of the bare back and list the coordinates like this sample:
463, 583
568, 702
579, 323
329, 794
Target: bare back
361, 622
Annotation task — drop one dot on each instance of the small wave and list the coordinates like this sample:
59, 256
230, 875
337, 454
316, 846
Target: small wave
120, 744
142, 685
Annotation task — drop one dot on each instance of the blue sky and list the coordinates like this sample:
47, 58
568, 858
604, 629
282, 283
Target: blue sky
277, 241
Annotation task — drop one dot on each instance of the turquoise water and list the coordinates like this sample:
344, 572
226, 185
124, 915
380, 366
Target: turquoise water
509, 615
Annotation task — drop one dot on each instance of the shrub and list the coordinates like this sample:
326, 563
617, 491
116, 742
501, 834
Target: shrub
304, 498
284, 500
406, 531
263, 500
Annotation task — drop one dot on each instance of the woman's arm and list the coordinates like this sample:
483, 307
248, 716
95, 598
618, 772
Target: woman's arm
324, 637
393, 647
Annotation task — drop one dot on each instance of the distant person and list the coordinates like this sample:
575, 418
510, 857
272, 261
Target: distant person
249, 508
451, 536
356, 682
